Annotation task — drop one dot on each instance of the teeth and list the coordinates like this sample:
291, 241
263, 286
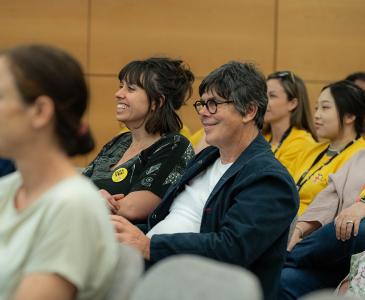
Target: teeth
122, 106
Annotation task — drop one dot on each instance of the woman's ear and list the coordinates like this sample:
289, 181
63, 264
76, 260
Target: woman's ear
161, 103
42, 111
293, 103
349, 119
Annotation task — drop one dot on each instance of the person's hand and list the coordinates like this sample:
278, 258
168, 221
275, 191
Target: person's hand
129, 234
295, 239
112, 200
349, 219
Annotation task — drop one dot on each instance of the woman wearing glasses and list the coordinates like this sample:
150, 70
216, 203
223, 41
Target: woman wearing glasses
339, 119
288, 122
135, 169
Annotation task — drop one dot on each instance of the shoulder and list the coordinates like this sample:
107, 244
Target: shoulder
360, 143
172, 141
301, 134
258, 159
315, 149
266, 163
10, 179
174, 137
122, 138
358, 158
9, 182
353, 167
76, 193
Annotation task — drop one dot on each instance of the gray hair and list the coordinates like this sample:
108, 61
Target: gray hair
241, 83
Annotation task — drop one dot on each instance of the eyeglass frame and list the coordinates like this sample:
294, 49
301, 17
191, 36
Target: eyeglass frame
205, 104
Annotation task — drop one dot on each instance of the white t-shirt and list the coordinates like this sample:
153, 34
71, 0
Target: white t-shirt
66, 231
186, 211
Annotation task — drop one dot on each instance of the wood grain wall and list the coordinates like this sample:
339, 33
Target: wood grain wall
320, 40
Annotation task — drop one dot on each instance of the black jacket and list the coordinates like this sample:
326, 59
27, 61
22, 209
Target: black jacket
246, 218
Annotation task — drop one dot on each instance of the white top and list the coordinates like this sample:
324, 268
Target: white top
187, 209
66, 231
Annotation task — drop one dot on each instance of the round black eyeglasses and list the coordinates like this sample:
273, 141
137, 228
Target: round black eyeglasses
211, 105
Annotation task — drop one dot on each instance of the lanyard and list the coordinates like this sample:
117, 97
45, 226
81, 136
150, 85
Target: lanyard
302, 180
285, 135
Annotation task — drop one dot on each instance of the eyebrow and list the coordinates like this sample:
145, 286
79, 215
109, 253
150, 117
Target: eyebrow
325, 101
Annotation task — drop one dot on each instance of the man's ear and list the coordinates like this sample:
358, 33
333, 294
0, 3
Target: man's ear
42, 111
250, 114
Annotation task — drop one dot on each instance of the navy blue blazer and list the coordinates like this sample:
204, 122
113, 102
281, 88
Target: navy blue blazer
6, 167
246, 218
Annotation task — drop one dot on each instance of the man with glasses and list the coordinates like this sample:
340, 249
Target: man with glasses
235, 201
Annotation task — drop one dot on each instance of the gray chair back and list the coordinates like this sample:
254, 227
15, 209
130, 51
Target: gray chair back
192, 277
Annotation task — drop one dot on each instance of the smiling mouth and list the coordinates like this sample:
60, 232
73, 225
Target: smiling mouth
121, 106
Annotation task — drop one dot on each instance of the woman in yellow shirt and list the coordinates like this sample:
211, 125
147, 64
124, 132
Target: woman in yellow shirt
339, 118
289, 126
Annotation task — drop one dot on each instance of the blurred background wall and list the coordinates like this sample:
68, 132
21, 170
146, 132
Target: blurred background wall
320, 40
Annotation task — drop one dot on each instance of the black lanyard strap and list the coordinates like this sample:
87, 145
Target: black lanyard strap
302, 179
284, 136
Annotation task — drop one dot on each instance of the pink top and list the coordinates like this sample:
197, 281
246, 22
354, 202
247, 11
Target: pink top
343, 189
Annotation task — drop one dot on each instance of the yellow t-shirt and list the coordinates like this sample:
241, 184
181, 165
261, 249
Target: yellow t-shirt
319, 179
293, 145
196, 137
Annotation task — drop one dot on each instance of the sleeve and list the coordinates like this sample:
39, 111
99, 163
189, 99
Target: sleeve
253, 214
89, 169
330, 201
76, 243
102, 157
324, 206
164, 166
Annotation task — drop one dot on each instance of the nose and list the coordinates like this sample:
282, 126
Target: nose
204, 110
316, 114
120, 93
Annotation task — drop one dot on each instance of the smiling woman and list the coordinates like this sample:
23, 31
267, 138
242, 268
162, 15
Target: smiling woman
339, 119
135, 169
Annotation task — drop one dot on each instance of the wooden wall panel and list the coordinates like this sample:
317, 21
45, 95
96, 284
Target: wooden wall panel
321, 39
187, 112
314, 89
204, 33
60, 23
102, 111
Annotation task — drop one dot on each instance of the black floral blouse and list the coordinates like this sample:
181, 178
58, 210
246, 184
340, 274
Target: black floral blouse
154, 169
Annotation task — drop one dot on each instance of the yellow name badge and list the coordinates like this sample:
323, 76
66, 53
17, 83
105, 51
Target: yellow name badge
119, 174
